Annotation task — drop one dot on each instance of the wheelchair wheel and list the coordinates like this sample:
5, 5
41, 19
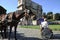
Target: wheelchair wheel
46, 34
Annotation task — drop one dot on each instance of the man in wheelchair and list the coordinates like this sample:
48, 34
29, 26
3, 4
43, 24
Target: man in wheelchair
44, 25
45, 30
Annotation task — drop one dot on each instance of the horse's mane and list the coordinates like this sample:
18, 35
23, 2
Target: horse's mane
10, 13
21, 14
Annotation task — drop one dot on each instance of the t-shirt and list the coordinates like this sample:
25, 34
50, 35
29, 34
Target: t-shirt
44, 24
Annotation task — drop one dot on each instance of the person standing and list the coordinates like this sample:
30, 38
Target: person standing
41, 20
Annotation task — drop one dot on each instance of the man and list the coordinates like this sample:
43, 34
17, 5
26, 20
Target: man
44, 25
41, 19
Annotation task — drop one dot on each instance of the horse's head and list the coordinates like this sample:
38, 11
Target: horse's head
28, 13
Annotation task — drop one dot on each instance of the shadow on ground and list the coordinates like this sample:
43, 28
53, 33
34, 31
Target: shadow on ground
56, 36
20, 36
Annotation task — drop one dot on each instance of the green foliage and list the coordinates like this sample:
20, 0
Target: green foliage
45, 15
50, 20
53, 27
50, 15
57, 16
31, 26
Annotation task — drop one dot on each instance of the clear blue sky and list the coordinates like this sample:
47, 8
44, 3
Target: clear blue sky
47, 5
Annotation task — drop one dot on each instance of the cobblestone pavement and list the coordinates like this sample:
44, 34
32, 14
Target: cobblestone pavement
31, 34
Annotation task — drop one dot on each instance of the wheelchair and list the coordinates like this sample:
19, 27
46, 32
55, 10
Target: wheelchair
46, 34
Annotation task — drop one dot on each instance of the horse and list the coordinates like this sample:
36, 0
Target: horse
15, 18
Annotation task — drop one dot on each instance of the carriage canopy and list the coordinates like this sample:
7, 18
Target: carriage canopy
2, 10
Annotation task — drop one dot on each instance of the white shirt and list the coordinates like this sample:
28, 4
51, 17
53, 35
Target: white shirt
44, 24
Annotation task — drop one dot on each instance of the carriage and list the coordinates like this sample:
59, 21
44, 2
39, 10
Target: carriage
2, 14
2, 21
2, 10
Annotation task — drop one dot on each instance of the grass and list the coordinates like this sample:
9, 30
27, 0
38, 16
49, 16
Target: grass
32, 27
53, 27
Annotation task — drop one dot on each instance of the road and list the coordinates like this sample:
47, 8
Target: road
31, 34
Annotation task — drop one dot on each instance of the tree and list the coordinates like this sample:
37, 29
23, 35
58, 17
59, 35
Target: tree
57, 16
44, 14
50, 15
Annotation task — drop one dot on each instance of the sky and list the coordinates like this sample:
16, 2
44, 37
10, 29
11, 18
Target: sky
47, 5
9, 5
